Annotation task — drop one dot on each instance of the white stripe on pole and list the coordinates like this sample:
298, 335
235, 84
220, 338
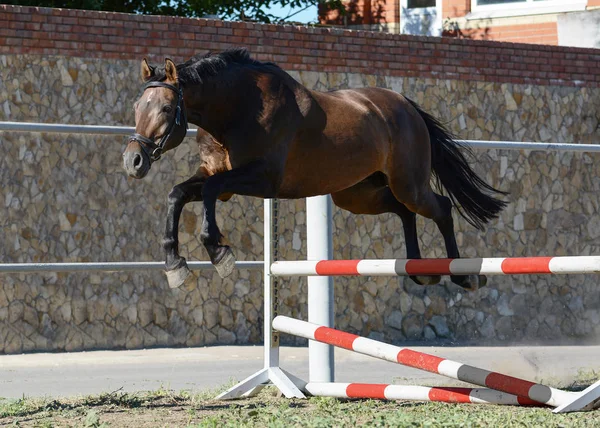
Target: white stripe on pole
301, 267
319, 246
408, 392
292, 326
449, 368
323, 389
575, 264
376, 267
376, 349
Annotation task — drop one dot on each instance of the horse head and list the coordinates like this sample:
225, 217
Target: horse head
160, 119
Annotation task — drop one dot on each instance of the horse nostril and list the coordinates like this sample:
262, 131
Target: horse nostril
137, 161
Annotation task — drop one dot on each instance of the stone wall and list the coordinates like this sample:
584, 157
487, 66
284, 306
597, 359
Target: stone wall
66, 198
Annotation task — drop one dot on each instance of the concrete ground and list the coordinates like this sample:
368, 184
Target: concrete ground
199, 369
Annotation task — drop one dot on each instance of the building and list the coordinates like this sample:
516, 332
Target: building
554, 22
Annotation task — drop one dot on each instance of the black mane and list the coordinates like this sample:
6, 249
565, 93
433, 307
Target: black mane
202, 66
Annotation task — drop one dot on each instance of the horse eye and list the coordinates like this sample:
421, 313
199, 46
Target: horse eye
167, 109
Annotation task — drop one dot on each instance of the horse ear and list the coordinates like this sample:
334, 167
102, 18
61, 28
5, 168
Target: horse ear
146, 70
170, 70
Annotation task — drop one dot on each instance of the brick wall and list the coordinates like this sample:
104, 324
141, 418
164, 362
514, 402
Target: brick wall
454, 8
381, 14
544, 33
79, 33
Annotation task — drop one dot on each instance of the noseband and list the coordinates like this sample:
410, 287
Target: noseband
150, 148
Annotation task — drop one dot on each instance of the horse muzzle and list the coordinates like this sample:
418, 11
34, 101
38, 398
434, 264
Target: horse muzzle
135, 162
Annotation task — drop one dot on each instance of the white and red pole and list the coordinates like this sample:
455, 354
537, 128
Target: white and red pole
416, 393
419, 360
476, 266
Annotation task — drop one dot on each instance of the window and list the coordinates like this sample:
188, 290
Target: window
418, 4
500, 8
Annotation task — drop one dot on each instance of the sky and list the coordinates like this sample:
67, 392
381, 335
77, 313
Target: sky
308, 15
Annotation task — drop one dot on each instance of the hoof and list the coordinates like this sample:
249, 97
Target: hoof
470, 282
426, 280
177, 277
226, 265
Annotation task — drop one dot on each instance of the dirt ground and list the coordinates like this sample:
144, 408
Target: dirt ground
164, 408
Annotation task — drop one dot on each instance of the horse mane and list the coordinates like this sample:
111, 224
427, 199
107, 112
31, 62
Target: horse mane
202, 66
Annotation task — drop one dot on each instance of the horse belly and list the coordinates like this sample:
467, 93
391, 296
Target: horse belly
328, 167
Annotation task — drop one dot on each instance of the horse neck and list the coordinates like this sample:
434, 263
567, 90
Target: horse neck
210, 105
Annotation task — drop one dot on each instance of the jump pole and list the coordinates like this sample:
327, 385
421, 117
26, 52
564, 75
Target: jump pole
416, 393
563, 401
475, 266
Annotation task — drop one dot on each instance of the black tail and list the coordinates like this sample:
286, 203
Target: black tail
471, 196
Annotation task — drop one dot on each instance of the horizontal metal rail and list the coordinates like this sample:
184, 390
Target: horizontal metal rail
55, 128
515, 145
128, 130
112, 266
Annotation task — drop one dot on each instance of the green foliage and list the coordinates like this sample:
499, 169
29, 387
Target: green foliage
253, 10
92, 420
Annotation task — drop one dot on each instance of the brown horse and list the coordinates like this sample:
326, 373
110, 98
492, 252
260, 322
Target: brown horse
263, 134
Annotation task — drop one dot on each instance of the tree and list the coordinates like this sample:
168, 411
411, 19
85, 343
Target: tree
253, 10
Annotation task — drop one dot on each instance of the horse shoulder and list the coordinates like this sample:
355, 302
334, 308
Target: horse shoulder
214, 156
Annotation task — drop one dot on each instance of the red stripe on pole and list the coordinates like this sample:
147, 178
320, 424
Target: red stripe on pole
450, 395
428, 267
508, 384
366, 390
337, 267
335, 337
525, 401
529, 265
419, 360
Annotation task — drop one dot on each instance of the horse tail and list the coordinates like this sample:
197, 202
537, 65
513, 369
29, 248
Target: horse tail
472, 197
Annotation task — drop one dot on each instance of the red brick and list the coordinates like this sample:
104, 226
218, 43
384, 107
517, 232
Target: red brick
115, 35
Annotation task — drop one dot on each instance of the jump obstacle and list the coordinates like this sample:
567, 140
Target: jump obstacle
497, 388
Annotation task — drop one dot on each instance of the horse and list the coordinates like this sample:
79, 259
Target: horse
263, 134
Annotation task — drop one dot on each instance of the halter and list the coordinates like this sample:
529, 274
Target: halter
150, 148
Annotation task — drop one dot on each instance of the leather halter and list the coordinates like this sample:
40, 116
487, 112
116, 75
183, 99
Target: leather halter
149, 147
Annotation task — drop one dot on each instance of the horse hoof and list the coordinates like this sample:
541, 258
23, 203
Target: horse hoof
470, 282
176, 277
426, 280
226, 265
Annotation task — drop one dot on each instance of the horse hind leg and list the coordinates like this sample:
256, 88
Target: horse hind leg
373, 196
439, 209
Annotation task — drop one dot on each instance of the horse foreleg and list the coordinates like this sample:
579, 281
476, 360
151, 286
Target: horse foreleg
188, 191
253, 179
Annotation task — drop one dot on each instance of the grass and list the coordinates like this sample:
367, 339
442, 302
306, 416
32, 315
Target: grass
165, 407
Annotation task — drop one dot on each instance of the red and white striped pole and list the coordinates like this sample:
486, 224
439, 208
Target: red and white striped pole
478, 266
419, 360
416, 393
